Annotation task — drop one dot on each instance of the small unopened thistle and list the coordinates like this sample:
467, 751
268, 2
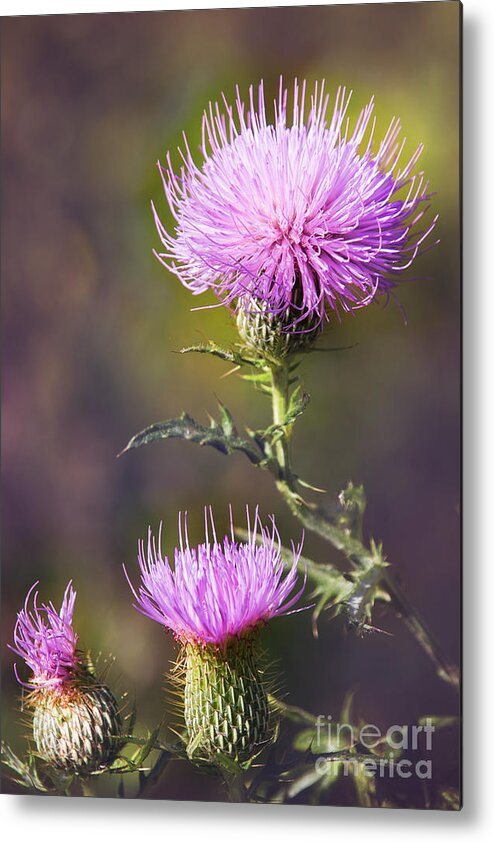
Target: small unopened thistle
215, 600
76, 723
297, 219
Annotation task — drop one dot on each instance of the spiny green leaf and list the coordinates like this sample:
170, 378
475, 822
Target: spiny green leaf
264, 444
141, 754
215, 350
260, 378
291, 712
351, 509
228, 764
299, 402
366, 588
25, 774
226, 420
221, 437
330, 585
309, 485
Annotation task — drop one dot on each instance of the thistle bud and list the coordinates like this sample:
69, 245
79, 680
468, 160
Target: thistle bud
214, 600
76, 723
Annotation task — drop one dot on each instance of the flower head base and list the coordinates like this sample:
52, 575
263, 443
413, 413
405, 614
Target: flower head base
76, 723
301, 216
217, 590
214, 601
275, 337
79, 730
225, 706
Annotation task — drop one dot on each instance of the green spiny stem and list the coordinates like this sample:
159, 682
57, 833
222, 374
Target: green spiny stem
272, 452
341, 537
280, 377
316, 520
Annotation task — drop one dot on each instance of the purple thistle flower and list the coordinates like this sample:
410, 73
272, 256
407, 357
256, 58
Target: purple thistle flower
218, 590
76, 723
303, 215
44, 637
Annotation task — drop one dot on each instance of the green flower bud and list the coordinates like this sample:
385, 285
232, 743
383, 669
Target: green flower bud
225, 701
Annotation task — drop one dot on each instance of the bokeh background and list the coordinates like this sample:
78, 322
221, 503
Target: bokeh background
91, 320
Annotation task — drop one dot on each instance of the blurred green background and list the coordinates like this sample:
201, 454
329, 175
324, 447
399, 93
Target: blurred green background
91, 320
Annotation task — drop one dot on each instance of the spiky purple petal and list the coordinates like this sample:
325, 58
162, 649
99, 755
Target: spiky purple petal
45, 639
303, 215
217, 590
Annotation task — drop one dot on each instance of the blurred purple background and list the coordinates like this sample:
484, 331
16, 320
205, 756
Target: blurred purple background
90, 318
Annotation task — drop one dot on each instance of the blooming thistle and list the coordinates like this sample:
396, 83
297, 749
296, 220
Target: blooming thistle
293, 221
76, 722
214, 601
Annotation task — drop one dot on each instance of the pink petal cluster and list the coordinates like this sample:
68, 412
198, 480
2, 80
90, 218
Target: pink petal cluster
217, 590
302, 214
45, 639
